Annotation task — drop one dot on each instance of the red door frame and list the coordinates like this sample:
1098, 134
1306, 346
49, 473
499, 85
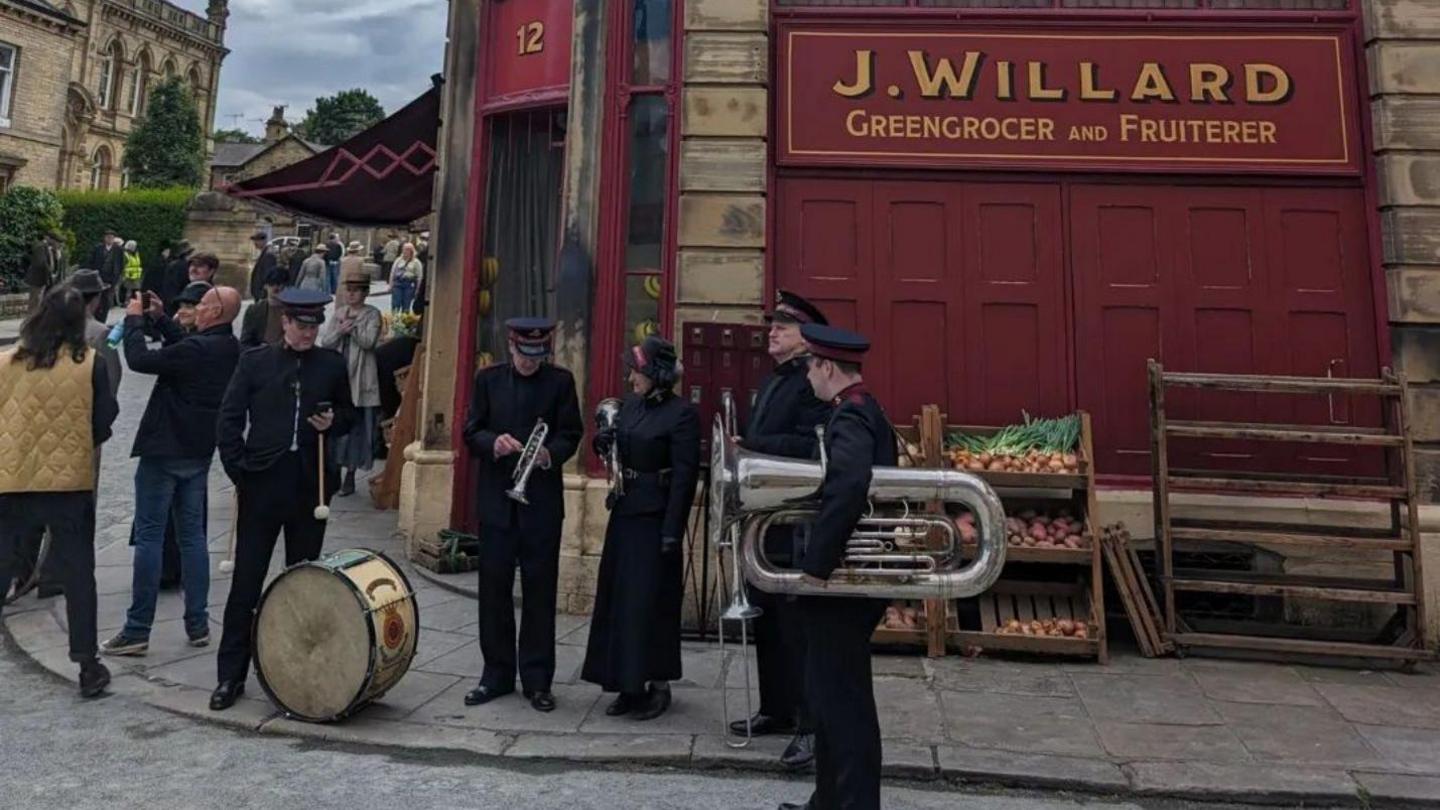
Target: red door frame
1199, 20
608, 311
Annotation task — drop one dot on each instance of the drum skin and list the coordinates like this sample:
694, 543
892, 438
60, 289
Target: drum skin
335, 634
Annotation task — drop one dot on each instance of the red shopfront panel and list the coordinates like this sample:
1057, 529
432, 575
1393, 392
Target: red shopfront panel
959, 286
1223, 280
721, 357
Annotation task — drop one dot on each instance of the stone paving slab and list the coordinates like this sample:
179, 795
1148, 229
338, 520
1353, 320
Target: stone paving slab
1197, 728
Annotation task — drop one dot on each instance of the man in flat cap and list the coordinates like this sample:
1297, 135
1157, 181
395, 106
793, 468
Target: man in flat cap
782, 423
290, 395
508, 402
261, 325
858, 437
265, 262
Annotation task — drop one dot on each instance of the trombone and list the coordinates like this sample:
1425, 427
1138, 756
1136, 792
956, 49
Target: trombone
529, 458
739, 609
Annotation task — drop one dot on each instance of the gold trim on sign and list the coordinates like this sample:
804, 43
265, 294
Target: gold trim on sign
790, 149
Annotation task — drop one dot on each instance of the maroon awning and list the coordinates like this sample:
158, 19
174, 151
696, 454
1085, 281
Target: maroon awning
383, 176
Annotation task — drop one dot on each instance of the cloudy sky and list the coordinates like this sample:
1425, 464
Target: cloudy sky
292, 51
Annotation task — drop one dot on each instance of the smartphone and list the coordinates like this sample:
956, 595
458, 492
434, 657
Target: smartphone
322, 407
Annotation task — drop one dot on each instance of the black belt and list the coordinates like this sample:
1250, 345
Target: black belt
661, 476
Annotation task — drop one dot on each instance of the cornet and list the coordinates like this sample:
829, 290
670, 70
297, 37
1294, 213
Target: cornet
529, 458
607, 416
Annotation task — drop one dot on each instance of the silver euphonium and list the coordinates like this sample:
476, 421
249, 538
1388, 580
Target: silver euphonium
529, 458
898, 550
607, 417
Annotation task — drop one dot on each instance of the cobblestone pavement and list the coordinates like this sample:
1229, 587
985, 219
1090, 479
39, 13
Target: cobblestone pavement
1197, 728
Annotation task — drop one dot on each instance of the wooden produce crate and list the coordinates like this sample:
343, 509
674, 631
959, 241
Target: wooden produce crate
1027, 602
1030, 571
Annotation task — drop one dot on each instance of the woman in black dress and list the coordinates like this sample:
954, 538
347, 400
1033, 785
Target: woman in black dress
634, 644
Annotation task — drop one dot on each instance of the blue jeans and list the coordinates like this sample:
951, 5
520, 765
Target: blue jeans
159, 482
332, 277
402, 295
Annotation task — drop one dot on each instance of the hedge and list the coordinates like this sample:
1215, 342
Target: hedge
25, 215
154, 218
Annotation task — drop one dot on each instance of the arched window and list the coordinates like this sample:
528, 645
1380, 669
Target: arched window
100, 169
140, 84
194, 79
170, 70
111, 65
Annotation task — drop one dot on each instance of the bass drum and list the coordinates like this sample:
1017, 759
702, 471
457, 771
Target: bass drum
335, 634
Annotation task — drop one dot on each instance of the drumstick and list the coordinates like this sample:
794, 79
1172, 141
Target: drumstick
227, 565
322, 512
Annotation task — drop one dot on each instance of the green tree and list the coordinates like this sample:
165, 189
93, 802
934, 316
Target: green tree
167, 149
340, 117
234, 136
27, 213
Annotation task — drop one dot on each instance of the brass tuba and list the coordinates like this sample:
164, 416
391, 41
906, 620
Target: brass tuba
607, 416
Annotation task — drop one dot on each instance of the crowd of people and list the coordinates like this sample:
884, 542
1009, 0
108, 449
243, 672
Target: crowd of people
265, 399
295, 380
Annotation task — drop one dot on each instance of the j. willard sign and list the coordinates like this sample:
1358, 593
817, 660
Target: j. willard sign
1211, 102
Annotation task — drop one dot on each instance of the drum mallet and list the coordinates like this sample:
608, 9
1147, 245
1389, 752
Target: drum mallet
227, 565
322, 512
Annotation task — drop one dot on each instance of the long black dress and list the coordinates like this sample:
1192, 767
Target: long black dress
635, 628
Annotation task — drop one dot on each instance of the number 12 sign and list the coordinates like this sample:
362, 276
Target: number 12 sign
529, 49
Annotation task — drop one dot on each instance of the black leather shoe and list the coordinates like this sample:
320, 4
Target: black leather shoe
800, 752
762, 725
225, 695
623, 704
542, 700
654, 705
483, 694
794, 806
94, 677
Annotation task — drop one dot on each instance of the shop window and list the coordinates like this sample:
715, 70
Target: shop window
645, 232
8, 58
522, 224
652, 22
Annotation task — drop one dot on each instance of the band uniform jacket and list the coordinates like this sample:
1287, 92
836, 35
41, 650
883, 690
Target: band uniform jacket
264, 391
659, 440
502, 401
786, 412
858, 438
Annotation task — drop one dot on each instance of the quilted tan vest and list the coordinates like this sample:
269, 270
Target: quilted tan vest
46, 444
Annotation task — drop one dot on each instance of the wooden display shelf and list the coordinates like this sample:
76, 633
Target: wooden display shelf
923, 432
1018, 582
1402, 637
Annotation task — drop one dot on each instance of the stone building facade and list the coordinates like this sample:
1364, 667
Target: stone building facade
75, 76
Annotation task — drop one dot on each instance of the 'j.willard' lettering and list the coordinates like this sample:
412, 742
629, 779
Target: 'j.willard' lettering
972, 72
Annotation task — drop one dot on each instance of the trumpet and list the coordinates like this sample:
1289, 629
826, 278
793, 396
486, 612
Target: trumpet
529, 458
607, 417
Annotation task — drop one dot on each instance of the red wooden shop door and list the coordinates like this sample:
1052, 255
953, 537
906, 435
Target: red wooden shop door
1228, 280
959, 286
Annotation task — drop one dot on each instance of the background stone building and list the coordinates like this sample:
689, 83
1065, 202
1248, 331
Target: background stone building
75, 77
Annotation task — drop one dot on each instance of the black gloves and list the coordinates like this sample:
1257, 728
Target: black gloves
604, 440
669, 545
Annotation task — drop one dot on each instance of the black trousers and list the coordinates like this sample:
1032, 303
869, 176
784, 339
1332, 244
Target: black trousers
841, 699
70, 517
270, 501
537, 554
780, 641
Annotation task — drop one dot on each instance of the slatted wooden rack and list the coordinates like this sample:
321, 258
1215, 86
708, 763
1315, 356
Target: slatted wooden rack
1391, 482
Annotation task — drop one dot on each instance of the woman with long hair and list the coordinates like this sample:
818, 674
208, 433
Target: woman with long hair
634, 646
56, 404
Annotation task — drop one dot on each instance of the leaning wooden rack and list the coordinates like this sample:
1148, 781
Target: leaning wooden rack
1380, 474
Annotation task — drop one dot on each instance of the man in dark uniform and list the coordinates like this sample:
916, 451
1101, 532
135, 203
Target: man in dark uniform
782, 423
290, 394
507, 402
838, 687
